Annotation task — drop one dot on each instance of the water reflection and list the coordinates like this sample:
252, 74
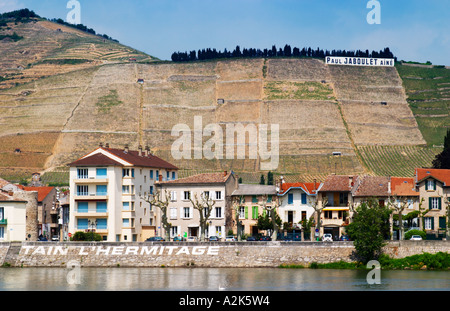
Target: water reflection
212, 279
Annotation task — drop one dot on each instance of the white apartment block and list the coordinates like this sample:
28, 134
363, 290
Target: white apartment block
108, 187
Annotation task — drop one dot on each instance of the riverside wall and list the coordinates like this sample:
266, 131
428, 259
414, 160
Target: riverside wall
186, 254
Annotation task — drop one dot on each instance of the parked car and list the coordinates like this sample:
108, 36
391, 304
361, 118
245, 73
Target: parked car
251, 239
344, 238
230, 238
178, 239
213, 239
42, 238
265, 238
55, 238
155, 239
416, 238
192, 239
327, 237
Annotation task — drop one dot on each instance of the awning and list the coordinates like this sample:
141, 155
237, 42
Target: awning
335, 209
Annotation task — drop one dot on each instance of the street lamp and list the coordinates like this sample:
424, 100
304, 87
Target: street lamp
93, 225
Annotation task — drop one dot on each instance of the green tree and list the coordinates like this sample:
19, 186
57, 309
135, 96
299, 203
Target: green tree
262, 180
442, 160
369, 229
270, 178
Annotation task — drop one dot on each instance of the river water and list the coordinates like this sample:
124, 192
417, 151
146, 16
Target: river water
215, 279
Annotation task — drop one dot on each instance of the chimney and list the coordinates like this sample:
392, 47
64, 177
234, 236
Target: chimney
107, 145
147, 151
140, 150
350, 182
315, 180
101, 145
126, 149
225, 173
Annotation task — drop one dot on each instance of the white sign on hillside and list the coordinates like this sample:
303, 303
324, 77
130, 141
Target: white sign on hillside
359, 61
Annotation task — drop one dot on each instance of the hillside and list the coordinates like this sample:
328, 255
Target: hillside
63, 108
46, 48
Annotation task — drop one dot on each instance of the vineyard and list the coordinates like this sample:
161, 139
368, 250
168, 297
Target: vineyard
398, 161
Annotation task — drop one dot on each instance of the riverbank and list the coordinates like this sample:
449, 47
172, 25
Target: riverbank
439, 261
199, 254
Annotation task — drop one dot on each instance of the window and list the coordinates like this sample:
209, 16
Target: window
173, 176
82, 190
304, 198
82, 224
173, 196
151, 189
125, 189
125, 206
218, 231
242, 212
442, 223
125, 222
254, 199
255, 212
343, 199
290, 198
187, 195
101, 207
102, 190
429, 223
173, 213
328, 214
82, 173
2, 213
269, 199
83, 207
218, 195
132, 172
435, 203
218, 212
126, 172
168, 175
151, 174
187, 212
102, 224
2, 232
430, 184
101, 173
206, 195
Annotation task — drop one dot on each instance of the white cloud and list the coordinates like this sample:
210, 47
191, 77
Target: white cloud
10, 5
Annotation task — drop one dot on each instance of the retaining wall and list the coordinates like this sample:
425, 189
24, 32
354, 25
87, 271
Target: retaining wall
222, 254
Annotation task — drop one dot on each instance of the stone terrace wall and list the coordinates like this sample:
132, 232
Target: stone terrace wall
225, 254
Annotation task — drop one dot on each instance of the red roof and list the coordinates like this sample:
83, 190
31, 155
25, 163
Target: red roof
341, 183
309, 188
369, 186
441, 175
403, 186
129, 156
43, 192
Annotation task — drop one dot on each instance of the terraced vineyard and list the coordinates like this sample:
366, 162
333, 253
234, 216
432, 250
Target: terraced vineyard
397, 160
428, 91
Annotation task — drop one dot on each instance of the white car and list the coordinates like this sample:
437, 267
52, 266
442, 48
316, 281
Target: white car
192, 239
416, 238
230, 239
327, 237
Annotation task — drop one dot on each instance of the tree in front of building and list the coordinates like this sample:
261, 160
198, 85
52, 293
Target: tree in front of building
161, 201
204, 206
237, 203
271, 213
369, 230
318, 208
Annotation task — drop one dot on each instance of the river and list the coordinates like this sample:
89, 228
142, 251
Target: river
215, 279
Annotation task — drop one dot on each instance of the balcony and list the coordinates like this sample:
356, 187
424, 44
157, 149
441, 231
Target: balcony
3, 222
91, 196
91, 180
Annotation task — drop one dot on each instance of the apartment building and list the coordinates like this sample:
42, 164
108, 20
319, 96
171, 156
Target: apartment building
185, 220
249, 201
108, 189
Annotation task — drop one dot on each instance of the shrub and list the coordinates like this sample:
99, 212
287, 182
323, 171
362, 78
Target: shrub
410, 233
86, 236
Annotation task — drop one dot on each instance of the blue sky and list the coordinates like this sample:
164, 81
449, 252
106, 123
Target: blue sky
414, 29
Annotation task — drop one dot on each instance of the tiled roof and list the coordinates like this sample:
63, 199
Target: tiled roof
372, 186
309, 188
441, 175
403, 186
206, 178
5, 197
245, 189
42, 191
130, 156
338, 183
